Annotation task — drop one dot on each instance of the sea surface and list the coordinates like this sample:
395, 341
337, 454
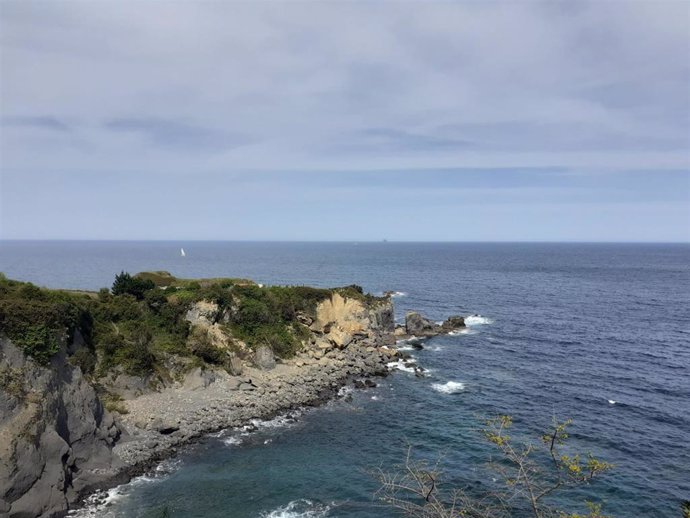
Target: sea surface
599, 333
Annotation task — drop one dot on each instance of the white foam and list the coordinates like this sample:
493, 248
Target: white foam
280, 421
398, 294
465, 331
400, 365
232, 441
299, 509
450, 387
167, 466
477, 320
98, 504
612, 402
345, 391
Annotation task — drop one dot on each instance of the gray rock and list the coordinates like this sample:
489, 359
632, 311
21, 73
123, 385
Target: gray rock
198, 379
453, 322
59, 437
416, 324
235, 366
264, 358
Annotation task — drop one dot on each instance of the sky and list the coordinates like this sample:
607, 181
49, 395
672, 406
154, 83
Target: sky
410, 121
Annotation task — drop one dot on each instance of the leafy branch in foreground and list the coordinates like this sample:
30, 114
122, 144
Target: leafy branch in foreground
531, 474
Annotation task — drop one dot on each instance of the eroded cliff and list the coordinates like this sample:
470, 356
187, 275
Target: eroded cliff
56, 438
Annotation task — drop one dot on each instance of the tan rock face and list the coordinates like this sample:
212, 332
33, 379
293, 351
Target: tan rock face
349, 315
202, 315
339, 337
202, 312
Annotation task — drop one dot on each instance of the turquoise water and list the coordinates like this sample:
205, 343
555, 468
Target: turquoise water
568, 327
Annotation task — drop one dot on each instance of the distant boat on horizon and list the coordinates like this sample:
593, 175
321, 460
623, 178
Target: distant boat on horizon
182, 252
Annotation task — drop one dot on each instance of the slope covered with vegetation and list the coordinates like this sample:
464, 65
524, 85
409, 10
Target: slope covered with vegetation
141, 321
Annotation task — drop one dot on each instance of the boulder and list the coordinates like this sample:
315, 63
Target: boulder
323, 344
198, 379
264, 358
202, 312
453, 322
235, 366
339, 337
416, 324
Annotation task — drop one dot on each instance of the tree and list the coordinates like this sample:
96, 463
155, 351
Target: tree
530, 474
126, 284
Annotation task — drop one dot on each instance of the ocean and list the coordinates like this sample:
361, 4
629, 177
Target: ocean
594, 332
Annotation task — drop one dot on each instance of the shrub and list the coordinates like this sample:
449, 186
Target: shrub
200, 345
37, 326
84, 359
135, 286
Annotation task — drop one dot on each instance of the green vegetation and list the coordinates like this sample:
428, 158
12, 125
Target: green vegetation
39, 320
114, 403
141, 322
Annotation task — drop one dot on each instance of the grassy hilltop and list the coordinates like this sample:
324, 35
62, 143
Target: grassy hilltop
140, 323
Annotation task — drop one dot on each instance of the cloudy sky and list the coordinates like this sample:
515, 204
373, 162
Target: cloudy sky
359, 120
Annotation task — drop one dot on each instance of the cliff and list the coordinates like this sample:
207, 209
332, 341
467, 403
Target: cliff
55, 436
171, 359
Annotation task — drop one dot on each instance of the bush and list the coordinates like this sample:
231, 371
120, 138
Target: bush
35, 325
135, 286
201, 346
84, 359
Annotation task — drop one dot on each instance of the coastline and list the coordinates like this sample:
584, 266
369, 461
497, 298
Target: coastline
159, 424
93, 409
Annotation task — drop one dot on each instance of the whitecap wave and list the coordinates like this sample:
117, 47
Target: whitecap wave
450, 387
299, 509
477, 320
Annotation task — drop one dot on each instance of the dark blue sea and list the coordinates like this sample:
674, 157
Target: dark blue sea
599, 333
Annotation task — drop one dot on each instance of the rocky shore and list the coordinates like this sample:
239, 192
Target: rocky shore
65, 434
160, 422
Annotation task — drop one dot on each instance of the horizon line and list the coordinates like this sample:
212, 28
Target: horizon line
335, 241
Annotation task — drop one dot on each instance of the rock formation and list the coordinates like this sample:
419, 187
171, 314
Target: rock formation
417, 325
55, 436
58, 442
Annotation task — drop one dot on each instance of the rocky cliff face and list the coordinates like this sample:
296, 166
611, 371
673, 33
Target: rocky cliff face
57, 441
341, 319
55, 436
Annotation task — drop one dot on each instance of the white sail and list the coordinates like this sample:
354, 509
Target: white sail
182, 252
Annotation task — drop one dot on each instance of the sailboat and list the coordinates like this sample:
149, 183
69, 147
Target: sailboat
182, 252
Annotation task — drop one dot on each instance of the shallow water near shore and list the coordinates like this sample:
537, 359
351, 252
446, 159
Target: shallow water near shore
598, 333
